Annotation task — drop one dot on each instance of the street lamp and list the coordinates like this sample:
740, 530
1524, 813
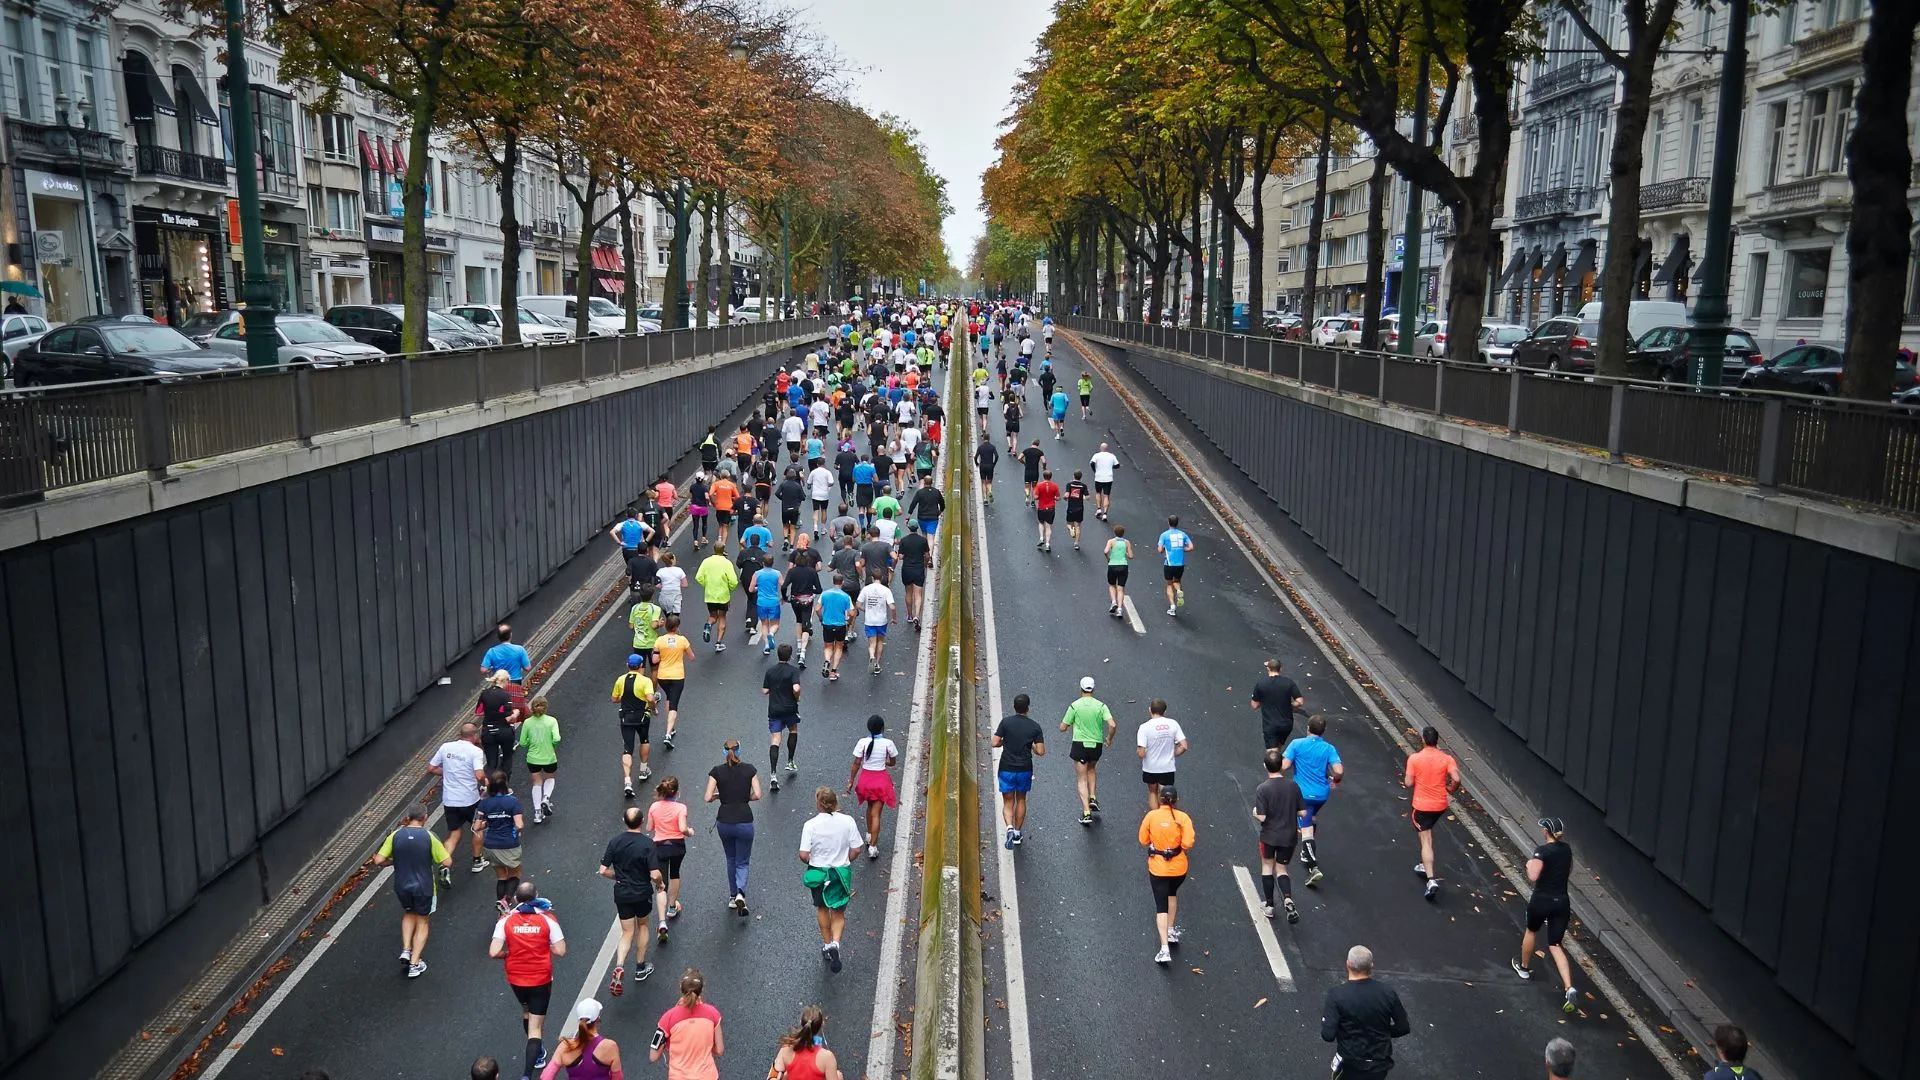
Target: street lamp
1708, 345
77, 133
256, 319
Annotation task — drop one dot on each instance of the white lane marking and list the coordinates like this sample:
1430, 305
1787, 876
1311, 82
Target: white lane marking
1263, 929
371, 888
1018, 1034
602, 960
1133, 615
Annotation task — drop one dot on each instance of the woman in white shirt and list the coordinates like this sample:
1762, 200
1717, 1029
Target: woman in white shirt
828, 842
671, 579
870, 779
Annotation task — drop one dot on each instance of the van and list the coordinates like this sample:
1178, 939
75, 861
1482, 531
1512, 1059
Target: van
1642, 315
604, 318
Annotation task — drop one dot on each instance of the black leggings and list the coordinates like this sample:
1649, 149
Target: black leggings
1164, 889
499, 750
669, 853
699, 525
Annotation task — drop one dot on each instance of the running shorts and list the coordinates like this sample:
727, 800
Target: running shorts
1116, 575
1161, 778
767, 612
418, 903
458, 817
1312, 810
719, 608
879, 631
1173, 572
1424, 820
635, 734
1165, 888
1085, 400
668, 854
802, 614
790, 515
913, 575
1275, 735
778, 724
633, 909
549, 768
534, 999
833, 635
1103, 487
672, 688
723, 517
863, 495
1085, 753
1045, 516
819, 504
986, 473
1016, 783
1282, 854
507, 858
1550, 912
1076, 511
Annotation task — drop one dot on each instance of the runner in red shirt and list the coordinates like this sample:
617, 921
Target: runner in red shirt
1431, 773
528, 938
1046, 495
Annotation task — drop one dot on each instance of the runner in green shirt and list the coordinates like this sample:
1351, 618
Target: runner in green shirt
886, 506
1086, 395
645, 620
717, 578
1092, 726
539, 735
1119, 553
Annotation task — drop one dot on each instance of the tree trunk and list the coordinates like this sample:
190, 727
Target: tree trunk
1107, 292
1623, 213
703, 286
413, 256
1879, 162
630, 294
1316, 224
724, 301
1196, 263
509, 238
1256, 238
673, 291
583, 259
1376, 255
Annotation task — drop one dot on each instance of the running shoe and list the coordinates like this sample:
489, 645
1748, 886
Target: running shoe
618, 985
875, 668
1163, 957
1019, 838
1293, 913
1009, 848
541, 1061
537, 819
774, 781
1171, 611
833, 963
736, 902
406, 957
719, 646
479, 865
1420, 868
446, 876
1572, 1002
1525, 973
414, 971
872, 851
666, 741
547, 807
742, 909
1313, 876
640, 973
1180, 596
646, 773
1093, 805
1433, 889
768, 651
674, 911
791, 767
1173, 935
1086, 819
626, 790
663, 933
1267, 910
706, 632
505, 905
800, 661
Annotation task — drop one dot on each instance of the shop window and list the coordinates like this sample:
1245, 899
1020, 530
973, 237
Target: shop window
273, 116
1756, 283
184, 120
1806, 284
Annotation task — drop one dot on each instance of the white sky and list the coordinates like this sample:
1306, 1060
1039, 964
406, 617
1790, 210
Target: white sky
930, 64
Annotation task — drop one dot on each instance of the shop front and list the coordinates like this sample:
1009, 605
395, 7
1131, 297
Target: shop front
281, 228
609, 272
386, 272
63, 246
181, 271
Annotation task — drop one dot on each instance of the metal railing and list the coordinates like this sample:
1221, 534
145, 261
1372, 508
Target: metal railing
178, 164
1565, 77
1860, 451
1667, 194
60, 437
1554, 202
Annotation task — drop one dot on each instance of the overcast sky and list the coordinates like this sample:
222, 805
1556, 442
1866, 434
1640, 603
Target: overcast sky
928, 64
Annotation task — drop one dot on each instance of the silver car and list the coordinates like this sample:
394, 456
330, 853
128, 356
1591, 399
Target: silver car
19, 331
1497, 341
1432, 339
304, 339
535, 329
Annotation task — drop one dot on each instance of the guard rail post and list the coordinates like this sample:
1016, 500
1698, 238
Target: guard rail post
406, 389
1616, 420
1439, 388
1772, 418
479, 378
539, 360
156, 441
1513, 400
1380, 394
303, 405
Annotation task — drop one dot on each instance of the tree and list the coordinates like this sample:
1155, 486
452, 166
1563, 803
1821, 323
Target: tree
1879, 235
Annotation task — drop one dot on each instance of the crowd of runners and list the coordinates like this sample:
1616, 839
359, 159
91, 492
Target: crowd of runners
801, 520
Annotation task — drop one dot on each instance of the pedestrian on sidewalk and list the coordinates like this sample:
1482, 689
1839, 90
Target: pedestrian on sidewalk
1431, 774
667, 822
735, 785
528, 939
1278, 808
1167, 834
1361, 1018
688, 1034
1092, 726
1317, 769
1550, 867
586, 1054
1019, 740
540, 738
462, 768
500, 817
870, 780
828, 842
803, 1053
415, 855
631, 862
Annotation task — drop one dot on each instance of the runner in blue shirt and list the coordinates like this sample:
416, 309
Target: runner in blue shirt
865, 476
766, 599
506, 656
757, 535
1057, 416
836, 607
1174, 545
1317, 769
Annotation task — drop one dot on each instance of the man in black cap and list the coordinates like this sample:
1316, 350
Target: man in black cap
1549, 868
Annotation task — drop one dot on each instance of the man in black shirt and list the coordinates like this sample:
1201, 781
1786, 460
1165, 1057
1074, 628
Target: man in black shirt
792, 494
629, 862
1076, 496
843, 463
1276, 696
1550, 867
985, 457
1018, 738
876, 557
1362, 1018
926, 506
499, 723
1277, 806
913, 549
782, 689
802, 590
1032, 460
642, 569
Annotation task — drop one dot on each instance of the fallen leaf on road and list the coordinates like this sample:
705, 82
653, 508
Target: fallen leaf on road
278, 1052
1197, 971
1262, 1001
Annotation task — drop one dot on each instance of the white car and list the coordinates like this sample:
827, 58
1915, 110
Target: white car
1326, 329
1432, 339
19, 331
535, 328
1497, 341
304, 339
604, 317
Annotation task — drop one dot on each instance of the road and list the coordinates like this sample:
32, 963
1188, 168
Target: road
1095, 1003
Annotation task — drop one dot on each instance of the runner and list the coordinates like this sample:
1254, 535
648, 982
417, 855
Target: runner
1092, 726
1032, 462
1278, 807
462, 768
539, 737
671, 654
645, 619
499, 720
876, 614
1010, 411
717, 579
803, 1053
1046, 496
1361, 1018
781, 687
913, 551
802, 591
828, 842
982, 402
1275, 697
660, 511
985, 457
1119, 552
1159, 742
1549, 868
866, 477
500, 817
1317, 769
1104, 465
586, 1055
667, 823
792, 494
1167, 834
870, 781
1056, 406
1174, 545
689, 1034
417, 857
926, 505
1431, 773
672, 581
1085, 388
1076, 495
632, 864
735, 785
634, 694
765, 585
1019, 740
700, 507
528, 938
631, 534
820, 484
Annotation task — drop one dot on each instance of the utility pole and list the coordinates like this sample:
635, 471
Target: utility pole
1708, 342
263, 343
1410, 246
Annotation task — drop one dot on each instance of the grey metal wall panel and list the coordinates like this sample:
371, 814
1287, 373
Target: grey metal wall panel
281, 673
1888, 1019
229, 721
1586, 622
256, 680
182, 557
1740, 803
123, 678
303, 620
26, 983
1682, 727
1718, 726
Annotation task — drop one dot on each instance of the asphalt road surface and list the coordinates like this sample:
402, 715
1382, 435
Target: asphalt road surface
1095, 1003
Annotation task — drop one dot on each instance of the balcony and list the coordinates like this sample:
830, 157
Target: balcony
607, 235
179, 165
1466, 127
66, 146
1563, 78
546, 227
1824, 47
1802, 207
1554, 203
1681, 194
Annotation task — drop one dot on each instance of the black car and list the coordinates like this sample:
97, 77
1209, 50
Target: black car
1665, 350
85, 351
379, 325
1562, 343
1813, 369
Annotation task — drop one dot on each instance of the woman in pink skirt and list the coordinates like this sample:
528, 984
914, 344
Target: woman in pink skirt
870, 780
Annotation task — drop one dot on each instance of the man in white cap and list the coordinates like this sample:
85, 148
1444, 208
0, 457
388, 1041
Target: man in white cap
1092, 726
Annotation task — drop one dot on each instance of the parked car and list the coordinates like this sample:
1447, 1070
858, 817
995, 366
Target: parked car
1432, 339
1563, 343
84, 351
1329, 330
304, 339
1814, 369
379, 325
1642, 315
1497, 341
604, 317
534, 327
1665, 349
19, 331
200, 326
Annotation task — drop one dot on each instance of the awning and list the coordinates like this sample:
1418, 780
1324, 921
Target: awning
1676, 259
369, 157
197, 101
1509, 278
386, 157
399, 160
1533, 266
1583, 263
613, 284
607, 260
1555, 264
147, 94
